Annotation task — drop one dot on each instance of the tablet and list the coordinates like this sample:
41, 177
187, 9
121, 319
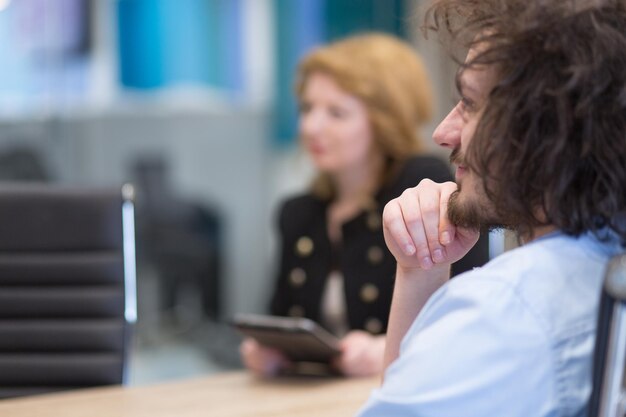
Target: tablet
299, 339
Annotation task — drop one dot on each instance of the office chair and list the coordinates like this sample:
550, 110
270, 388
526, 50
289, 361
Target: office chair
607, 397
67, 287
179, 238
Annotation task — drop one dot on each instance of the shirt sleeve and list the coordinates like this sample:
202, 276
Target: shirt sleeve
476, 350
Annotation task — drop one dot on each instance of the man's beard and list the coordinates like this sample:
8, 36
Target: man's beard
472, 214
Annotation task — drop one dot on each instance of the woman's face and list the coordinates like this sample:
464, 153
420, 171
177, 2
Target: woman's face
334, 126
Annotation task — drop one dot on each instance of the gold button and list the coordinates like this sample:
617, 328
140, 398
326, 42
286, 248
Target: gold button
304, 246
297, 277
375, 255
296, 311
373, 325
373, 221
369, 293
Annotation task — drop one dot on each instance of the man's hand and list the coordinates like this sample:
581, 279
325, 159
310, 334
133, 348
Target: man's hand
425, 244
418, 232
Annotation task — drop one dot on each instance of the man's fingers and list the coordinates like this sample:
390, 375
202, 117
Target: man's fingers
416, 225
395, 227
447, 230
414, 221
430, 207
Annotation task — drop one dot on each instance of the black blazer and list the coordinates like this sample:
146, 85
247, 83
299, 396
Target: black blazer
368, 268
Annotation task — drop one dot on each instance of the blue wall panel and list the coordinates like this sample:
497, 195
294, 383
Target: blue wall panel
300, 27
139, 38
171, 42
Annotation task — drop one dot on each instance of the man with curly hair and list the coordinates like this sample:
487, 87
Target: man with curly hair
539, 141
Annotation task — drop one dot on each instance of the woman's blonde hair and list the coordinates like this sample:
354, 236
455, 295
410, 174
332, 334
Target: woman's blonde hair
388, 76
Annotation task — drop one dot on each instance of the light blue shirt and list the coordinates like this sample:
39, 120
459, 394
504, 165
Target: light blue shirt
513, 338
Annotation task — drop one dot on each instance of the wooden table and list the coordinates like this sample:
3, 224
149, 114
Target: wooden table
235, 394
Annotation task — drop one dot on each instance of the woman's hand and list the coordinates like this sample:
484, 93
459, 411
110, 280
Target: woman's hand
417, 229
261, 360
361, 354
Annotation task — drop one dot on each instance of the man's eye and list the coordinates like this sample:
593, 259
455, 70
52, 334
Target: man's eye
467, 105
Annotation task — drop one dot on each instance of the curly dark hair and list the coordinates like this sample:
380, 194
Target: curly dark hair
552, 138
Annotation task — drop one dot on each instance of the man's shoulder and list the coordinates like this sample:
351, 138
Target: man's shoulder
557, 279
552, 256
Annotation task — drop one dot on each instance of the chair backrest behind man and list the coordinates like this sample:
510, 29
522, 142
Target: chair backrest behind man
67, 287
607, 398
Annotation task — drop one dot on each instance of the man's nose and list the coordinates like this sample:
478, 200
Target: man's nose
448, 133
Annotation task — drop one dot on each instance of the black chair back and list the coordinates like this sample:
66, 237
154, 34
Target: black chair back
607, 397
67, 287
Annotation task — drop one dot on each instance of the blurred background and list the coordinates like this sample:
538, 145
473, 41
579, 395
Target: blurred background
191, 101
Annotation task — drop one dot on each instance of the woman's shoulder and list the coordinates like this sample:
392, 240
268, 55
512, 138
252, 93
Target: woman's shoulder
299, 208
415, 169
297, 202
425, 166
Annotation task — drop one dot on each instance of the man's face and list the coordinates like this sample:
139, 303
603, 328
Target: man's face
468, 207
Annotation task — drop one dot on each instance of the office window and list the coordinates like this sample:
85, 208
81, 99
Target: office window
44, 54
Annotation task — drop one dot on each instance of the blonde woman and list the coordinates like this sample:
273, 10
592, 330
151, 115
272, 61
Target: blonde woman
362, 101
